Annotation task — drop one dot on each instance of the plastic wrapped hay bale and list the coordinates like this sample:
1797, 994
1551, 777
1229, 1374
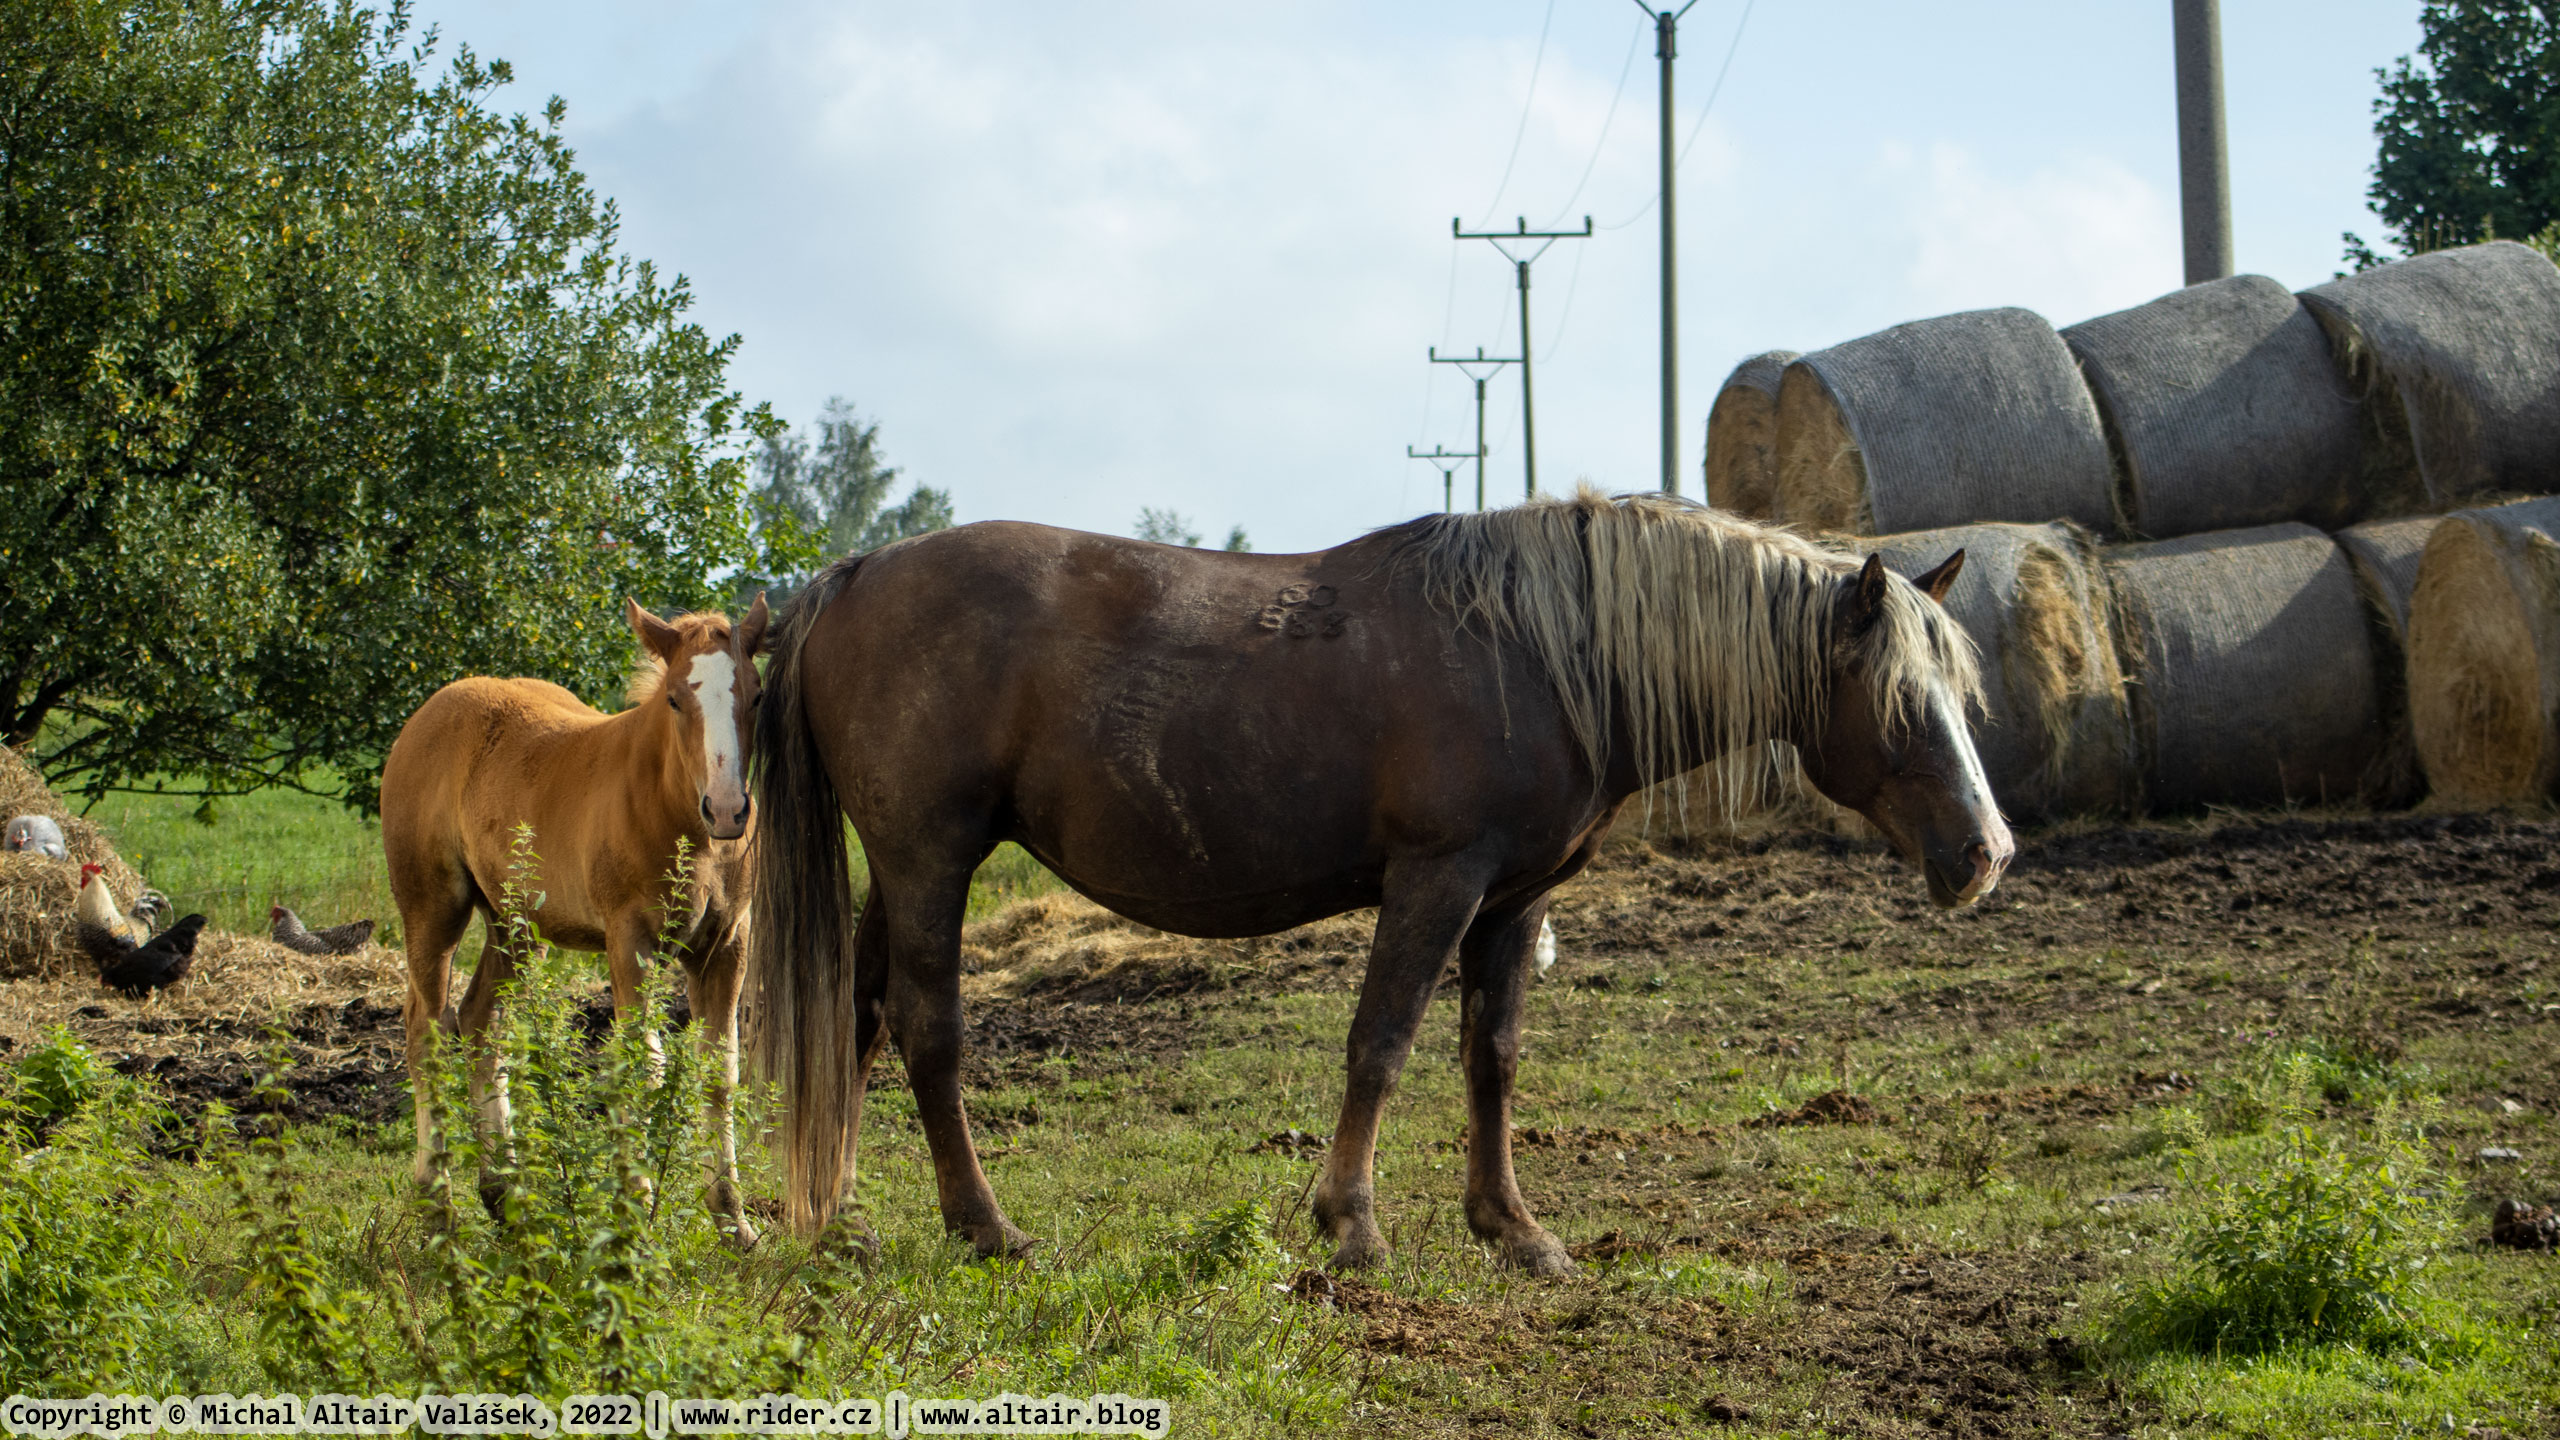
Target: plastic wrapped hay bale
2385, 554
2484, 654
1742, 437
37, 892
1951, 421
2254, 674
2454, 351
2057, 737
2227, 409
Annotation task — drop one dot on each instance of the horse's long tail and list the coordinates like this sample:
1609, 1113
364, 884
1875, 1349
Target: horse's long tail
800, 946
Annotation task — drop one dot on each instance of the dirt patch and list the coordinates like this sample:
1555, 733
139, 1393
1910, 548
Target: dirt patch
1831, 1107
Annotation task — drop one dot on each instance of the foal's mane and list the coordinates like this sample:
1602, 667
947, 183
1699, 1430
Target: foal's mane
649, 672
1660, 609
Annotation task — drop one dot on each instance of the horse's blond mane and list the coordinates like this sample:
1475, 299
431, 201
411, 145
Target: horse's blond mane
1659, 610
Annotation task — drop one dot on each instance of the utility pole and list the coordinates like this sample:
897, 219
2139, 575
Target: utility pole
1504, 240
1666, 34
2204, 144
1466, 366
1442, 459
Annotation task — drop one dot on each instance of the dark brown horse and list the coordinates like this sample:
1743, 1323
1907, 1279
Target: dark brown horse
1440, 719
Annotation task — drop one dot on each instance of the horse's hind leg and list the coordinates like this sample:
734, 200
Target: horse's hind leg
919, 926
488, 1076
430, 929
1418, 926
1493, 969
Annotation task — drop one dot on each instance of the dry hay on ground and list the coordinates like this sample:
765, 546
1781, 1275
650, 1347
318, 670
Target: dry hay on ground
2057, 736
37, 892
2484, 654
2452, 351
1063, 945
1948, 421
2226, 409
2253, 666
1742, 437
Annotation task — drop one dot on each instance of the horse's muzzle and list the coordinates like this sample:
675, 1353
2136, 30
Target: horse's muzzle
734, 825
1972, 876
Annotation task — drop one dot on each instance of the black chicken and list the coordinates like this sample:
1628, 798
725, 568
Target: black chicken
156, 963
289, 932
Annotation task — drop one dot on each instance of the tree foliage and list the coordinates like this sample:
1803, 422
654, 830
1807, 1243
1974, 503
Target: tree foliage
831, 494
2469, 128
327, 383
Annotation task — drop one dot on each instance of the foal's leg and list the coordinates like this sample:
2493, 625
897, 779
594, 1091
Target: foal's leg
431, 929
1418, 925
713, 992
920, 925
1493, 967
497, 969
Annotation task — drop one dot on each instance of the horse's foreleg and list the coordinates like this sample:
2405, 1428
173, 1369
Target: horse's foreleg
713, 991
1493, 967
628, 949
922, 930
1419, 924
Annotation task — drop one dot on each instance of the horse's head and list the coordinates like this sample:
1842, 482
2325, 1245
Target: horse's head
1893, 745
707, 676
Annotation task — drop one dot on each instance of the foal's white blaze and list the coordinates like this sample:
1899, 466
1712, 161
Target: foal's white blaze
714, 678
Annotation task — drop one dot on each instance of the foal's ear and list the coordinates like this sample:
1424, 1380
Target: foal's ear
1936, 583
750, 633
660, 638
1866, 598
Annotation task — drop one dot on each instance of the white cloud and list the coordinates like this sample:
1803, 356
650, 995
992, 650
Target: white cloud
2075, 238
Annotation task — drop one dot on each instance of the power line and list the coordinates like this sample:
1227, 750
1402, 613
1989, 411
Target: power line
1527, 103
1504, 240
1467, 366
1703, 111
1624, 70
1447, 461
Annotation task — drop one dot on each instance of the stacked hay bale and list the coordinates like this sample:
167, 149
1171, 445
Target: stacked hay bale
2226, 410
37, 892
2256, 677
1949, 421
2385, 554
2454, 353
2484, 654
1742, 437
2057, 735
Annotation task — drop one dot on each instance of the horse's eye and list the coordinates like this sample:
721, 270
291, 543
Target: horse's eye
672, 704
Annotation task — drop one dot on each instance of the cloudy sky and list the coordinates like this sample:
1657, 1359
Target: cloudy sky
1084, 258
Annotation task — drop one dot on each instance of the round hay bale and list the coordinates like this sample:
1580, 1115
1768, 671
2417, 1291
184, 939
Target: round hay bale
2454, 349
2484, 654
2057, 737
2385, 554
1951, 421
2226, 409
36, 892
1742, 437
2254, 674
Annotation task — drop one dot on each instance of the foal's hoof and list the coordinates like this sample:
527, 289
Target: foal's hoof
1539, 1254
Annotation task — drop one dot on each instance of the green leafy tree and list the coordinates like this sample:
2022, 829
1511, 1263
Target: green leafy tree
2469, 128
326, 383
832, 492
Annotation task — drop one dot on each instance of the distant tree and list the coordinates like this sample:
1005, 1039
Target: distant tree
1236, 541
1166, 527
2469, 129
324, 383
832, 493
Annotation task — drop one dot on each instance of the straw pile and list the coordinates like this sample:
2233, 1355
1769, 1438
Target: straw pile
1066, 946
2257, 683
240, 986
1742, 437
37, 893
1963, 418
2453, 350
2484, 654
2385, 554
2057, 738
2226, 410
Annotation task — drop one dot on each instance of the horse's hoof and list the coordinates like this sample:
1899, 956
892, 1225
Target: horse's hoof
1003, 1243
738, 1231
1363, 1249
1539, 1254
493, 1196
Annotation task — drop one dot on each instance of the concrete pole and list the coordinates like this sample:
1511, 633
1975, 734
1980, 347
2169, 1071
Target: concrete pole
1528, 408
2204, 147
1665, 32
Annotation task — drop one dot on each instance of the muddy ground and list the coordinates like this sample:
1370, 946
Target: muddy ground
2169, 947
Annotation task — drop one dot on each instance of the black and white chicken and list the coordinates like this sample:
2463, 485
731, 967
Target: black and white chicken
289, 932
156, 963
106, 932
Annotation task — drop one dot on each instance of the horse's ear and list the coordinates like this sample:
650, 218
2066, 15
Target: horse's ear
1936, 583
751, 631
1866, 600
660, 638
